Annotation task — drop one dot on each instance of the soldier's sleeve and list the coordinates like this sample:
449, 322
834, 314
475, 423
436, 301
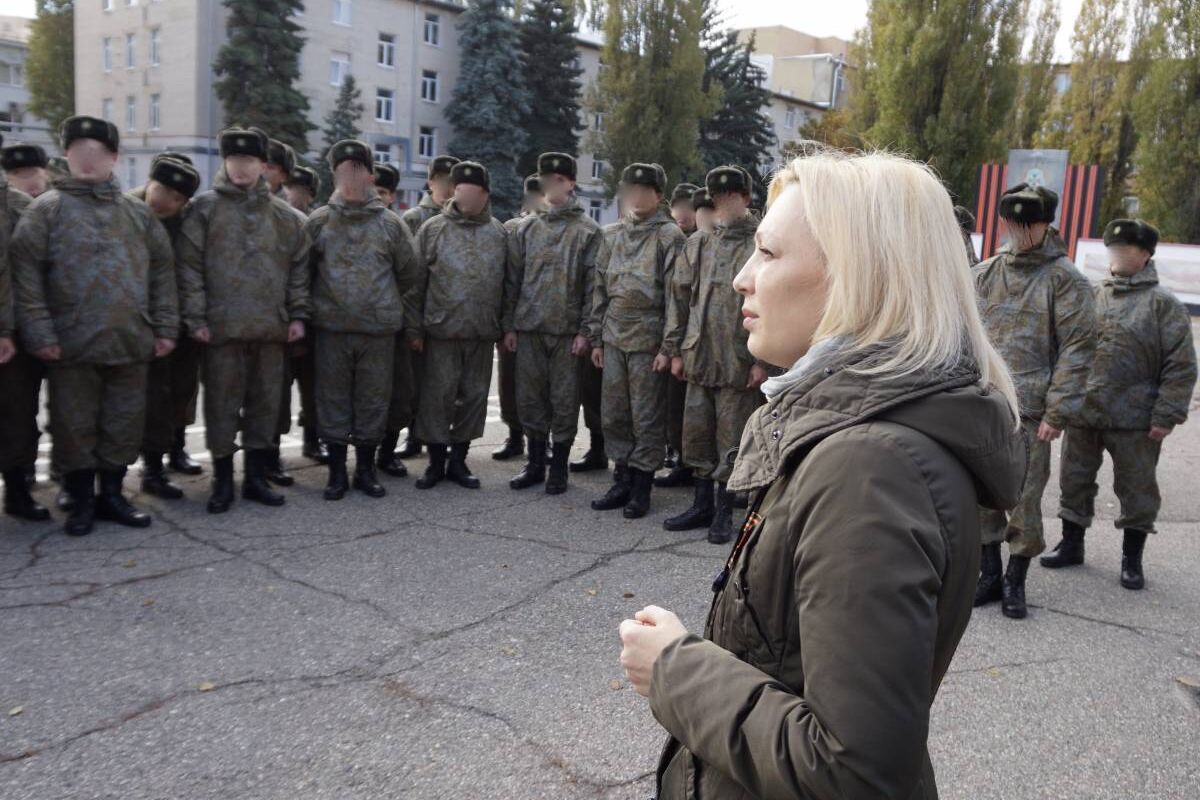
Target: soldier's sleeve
599, 294
590, 253
414, 301
28, 255
1075, 327
672, 254
514, 277
14, 204
1177, 377
164, 293
8, 319
679, 297
299, 301
189, 270
404, 258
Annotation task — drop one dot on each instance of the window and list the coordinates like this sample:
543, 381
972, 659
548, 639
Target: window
339, 68
106, 109
155, 112
433, 27
130, 51
598, 121
384, 104
107, 5
387, 50
426, 142
429, 85
1062, 82
789, 118
131, 113
594, 208
341, 12
131, 171
106, 49
155, 47
11, 74
597, 167
383, 153
130, 3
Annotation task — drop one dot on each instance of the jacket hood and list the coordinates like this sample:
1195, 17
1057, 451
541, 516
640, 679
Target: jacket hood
949, 406
372, 206
223, 185
569, 209
741, 228
1145, 279
104, 190
451, 210
1052, 247
655, 220
427, 201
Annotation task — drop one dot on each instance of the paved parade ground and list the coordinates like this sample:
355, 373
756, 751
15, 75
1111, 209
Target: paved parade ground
459, 644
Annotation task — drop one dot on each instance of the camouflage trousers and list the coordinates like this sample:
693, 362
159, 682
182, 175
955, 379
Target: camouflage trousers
20, 385
354, 386
547, 386
676, 403
454, 398
171, 386
713, 419
591, 389
241, 390
1135, 464
506, 380
1022, 527
634, 408
97, 414
408, 370
299, 365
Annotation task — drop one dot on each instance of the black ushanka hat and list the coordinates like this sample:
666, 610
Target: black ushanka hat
351, 150
174, 155
387, 177
683, 193
176, 175
83, 127
19, 155
243, 142
470, 172
728, 179
1028, 205
702, 199
441, 166
651, 175
281, 155
1132, 231
533, 184
304, 176
557, 164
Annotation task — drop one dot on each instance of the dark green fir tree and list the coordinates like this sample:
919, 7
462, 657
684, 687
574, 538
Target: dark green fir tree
340, 123
549, 52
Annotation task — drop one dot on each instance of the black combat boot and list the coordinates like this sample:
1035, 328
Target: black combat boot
618, 494
534, 471
640, 484
178, 459
670, 461
112, 505
272, 469
1132, 576
254, 481
457, 470
721, 530
556, 476
594, 459
678, 476
18, 502
339, 483
1068, 552
314, 449
388, 461
64, 501
365, 479
435, 473
412, 446
513, 446
700, 515
81, 485
222, 485
991, 580
154, 478
741, 500
1013, 601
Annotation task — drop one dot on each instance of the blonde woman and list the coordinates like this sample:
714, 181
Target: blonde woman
849, 586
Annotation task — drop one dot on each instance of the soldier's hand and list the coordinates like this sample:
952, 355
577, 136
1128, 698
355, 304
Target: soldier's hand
510, 341
295, 330
51, 353
416, 345
8, 349
202, 335
163, 347
662, 363
677, 368
580, 346
756, 378
1047, 432
1157, 432
598, 357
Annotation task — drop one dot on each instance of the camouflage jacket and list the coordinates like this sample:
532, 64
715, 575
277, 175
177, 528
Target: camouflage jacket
460, 277
426, 210
1039, 314
94, 274
704, 315
552, 263
362, 264
243, 264
633, 272
1145, 365
12, 204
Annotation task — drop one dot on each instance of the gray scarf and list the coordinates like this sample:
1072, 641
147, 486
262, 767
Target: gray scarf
817, 356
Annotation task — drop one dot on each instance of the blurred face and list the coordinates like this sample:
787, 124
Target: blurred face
557, 187
783, 285
244, 171
1127, 260
275, 176
1026, 237
441, 188
533, 202
470, 198
33, 181
298, 197
164, 201
706, 218
91, 161
683, 214
730, 206
386, 195
639, 200
354, 181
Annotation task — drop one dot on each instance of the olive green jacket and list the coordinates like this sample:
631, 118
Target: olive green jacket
426, 210
12, 204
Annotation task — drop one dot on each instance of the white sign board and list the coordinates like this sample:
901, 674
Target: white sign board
1178, 267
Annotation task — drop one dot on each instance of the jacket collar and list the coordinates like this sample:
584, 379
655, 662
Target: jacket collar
222, 185
1145, 279
102, 190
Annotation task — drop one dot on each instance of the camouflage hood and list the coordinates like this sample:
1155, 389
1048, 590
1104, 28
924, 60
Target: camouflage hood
743, 227
1146, 279
103, 190
1052, 247
453, 212
372, 206
222, 185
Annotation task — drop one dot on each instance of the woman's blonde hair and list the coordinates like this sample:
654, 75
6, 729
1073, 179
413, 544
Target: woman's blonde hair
897, 264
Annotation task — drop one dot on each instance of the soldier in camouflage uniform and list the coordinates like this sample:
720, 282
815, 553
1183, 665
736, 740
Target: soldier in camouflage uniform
707, 345
552, 262
25, 167
629, 310
172, 382
96, 301
1138, 390
706, 212
387, 179
301, 188
680, 474
281, 160
455, 317
245, 295
362, 264
1038, 312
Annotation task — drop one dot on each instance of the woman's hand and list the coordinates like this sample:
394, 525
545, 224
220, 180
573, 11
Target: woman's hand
643, 639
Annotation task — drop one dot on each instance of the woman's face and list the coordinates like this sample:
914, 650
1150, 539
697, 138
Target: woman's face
783, 285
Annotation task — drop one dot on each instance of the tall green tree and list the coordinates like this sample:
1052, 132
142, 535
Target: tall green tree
490, 99
258, 67
340, 123
550, 57
1036, 93
739, 131
50, 66
1167, 113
